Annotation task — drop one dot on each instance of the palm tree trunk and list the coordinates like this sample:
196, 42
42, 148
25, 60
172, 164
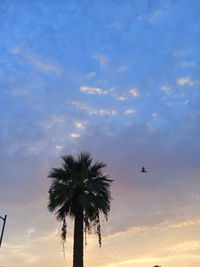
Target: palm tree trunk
78, 239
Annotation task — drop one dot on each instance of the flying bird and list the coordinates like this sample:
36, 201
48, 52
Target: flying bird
143, 169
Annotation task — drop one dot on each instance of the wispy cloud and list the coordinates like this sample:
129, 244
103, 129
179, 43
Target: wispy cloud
42, 65
196, 197
30, 232
152, 17
152, 260
121, 98
167, 89
187, 246
102, 59
15, 50
103, 112
24, 92
39, 62
58, 147
80, 105
154, 115
183, 224
90, 74
129, 111
121, 68
185, 81
57, 118
90, 110
74, 135
187, 64
156, 15
93, 90
134, 92
158, 227
80, 125
179, 52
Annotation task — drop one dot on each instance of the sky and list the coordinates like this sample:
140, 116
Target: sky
119, 79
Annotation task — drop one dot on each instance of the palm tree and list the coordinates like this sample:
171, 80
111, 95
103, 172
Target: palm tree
80, 190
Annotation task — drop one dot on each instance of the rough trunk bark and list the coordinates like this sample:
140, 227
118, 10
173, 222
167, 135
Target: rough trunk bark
78, 239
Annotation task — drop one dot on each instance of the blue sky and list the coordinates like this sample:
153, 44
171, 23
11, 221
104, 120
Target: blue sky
119, 79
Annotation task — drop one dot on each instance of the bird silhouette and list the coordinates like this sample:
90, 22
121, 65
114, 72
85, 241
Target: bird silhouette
143, 169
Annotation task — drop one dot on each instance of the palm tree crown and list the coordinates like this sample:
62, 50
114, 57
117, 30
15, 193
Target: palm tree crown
80, 189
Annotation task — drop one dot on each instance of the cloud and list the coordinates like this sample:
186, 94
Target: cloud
167, 89
93, 90
22, 92
121, 98
184, 224
80, 125
163, 226
74, 135
90, 75
156, 15
56, 118
154, 115
30, 232
134, 92
90, 110
103, 112
121, 68
58, 147
129, 111
185, 81
45, 65
152, 17
196, 197
187, 64
42, 65
102, 59
80, 105
187, 246
179, 52
115, 25
152, 259
15, 50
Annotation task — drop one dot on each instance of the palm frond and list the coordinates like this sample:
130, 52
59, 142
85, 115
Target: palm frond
68, 163
60, 174
80, 183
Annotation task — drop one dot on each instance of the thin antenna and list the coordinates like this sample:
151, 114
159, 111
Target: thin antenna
4, 223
